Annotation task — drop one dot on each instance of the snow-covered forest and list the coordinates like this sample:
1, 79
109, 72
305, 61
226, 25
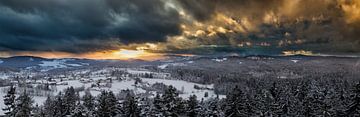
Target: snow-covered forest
195, 87
260, 97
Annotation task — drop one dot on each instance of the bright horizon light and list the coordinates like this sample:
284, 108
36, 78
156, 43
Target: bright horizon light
130, 54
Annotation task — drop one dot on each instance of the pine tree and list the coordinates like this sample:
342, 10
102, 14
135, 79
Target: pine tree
173, 104
158, 105
107, 104
314, 101
112, 103
38, 111
89, 103
59, 106
69, 100
102, 107
79, 110
9, 101
23, 105
273, 101
236, 104
49, 107
213, 109
354, 107
192, 106
146, 107
130, 106
42, 112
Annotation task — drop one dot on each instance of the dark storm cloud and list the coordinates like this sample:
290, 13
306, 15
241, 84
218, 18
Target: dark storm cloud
199, 9
73, 25
323, 25
204, 9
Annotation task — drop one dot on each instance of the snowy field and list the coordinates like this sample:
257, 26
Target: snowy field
186, 87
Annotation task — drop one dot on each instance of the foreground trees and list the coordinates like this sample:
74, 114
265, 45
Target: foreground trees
236, 104
9, 101
250, 97
17, 107
107, 105
192, 108
354, 107
130, 106
23, 106
89, 103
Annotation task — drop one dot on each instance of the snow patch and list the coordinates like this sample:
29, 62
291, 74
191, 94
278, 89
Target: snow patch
58, 63
74, 65
163, 66
295, 61
186, 87
54, 64
219, 60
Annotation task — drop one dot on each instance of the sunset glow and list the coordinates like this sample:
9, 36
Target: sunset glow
121, 54
129, 53
135, 54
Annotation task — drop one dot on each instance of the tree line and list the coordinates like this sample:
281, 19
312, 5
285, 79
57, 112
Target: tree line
251, 97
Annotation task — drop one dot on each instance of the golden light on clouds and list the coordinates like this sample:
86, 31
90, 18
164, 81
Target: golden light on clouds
221, 23
352, 10
298, 52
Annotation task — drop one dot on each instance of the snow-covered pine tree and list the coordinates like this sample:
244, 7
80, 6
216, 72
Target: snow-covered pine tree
9, 101
211, 108
89, 103
23, 106
38, 111
107, 104
236, 104
274, 101
192, 106
314, 101
158, 105
49, 107
69, 100
354, 107
146, 107
113, 103
102, 107
130, 106
59, 105
79, 110
173, 104
42, 112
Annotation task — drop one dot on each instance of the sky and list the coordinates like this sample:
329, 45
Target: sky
152, 29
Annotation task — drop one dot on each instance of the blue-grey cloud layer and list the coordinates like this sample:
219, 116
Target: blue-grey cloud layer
83, 25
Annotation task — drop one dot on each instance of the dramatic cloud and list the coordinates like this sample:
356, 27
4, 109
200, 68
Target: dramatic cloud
324, 26
83, 25
181, 26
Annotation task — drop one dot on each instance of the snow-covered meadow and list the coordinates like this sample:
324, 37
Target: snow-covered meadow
126, 83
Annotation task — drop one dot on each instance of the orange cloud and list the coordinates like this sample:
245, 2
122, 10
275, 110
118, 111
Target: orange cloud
352, 10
